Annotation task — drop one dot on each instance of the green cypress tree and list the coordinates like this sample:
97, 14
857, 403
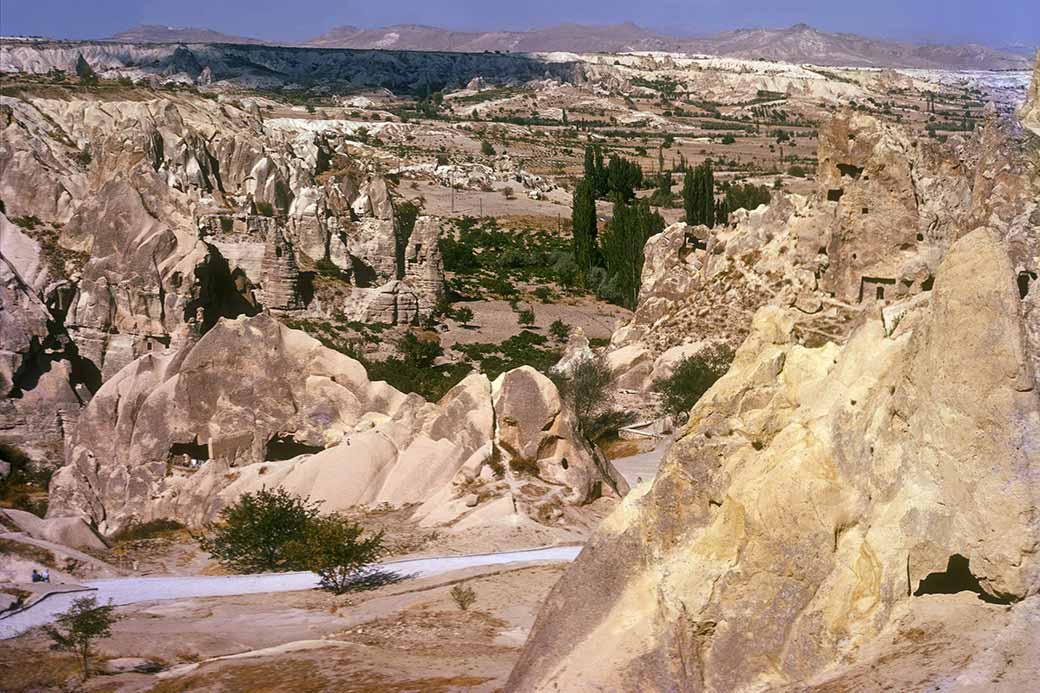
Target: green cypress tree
583, 229
691, 191
708, 195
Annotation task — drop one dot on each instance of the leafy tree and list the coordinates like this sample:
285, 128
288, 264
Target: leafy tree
583, 228
623, 177
486, 149
252, 534
622, 246
525, 317
84, 71
334, 548
699, 195
662, 196
464, 315
559, 331
405, 215
692, 377
595, 171
419, 352
722, 211
747, 196
587, 390
79, 626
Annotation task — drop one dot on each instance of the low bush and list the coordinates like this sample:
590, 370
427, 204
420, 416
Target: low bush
147, 530
463, 596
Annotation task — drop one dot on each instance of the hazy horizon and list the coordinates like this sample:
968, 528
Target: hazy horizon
1000, 23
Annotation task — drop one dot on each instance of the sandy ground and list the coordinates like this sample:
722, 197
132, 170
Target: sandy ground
496, 321
396, 638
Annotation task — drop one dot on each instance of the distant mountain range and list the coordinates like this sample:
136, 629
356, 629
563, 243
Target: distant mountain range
154, 33
797, 44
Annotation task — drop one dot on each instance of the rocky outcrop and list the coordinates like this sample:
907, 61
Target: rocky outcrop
866, 452
815, 495
181, 433
887, 209
148, 220
1030, 110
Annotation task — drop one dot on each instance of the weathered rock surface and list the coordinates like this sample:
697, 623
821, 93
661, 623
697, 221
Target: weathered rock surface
887, 209
1030, 112
814, 493
146, 220
181, 433
67, 531
825, 489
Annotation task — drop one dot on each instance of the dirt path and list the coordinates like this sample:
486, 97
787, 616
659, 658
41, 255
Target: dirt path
130, 590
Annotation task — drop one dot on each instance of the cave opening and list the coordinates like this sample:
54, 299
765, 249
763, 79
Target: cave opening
850, 171
286, 447
190, 455
222, 293
834, 194
956, 578
1024, 281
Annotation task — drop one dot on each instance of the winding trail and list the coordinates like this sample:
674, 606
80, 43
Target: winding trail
122, 591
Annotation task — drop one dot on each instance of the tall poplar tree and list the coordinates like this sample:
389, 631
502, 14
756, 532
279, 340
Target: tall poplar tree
583, 229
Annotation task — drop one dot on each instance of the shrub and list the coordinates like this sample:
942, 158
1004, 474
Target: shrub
25, 486
419, 352
486, 149
692, 377
508, 193
559, 331
728, 139
333, 548
79, 626
254, 533
464, 315
587, 390
265, 209
463, 596
525, 317
543, 294
147, 530
27, 222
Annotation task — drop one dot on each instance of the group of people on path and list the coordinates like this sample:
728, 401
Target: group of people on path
45, 576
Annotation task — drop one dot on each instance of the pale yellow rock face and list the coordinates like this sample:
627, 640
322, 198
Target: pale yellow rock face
1030, 111
811, 494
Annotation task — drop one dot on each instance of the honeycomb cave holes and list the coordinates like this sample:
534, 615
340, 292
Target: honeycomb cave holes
956, 578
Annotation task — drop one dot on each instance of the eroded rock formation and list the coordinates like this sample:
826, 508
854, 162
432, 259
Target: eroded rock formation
825, 490
179, 434
143, 221
887, 209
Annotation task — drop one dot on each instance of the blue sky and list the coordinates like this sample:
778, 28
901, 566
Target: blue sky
996, 22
